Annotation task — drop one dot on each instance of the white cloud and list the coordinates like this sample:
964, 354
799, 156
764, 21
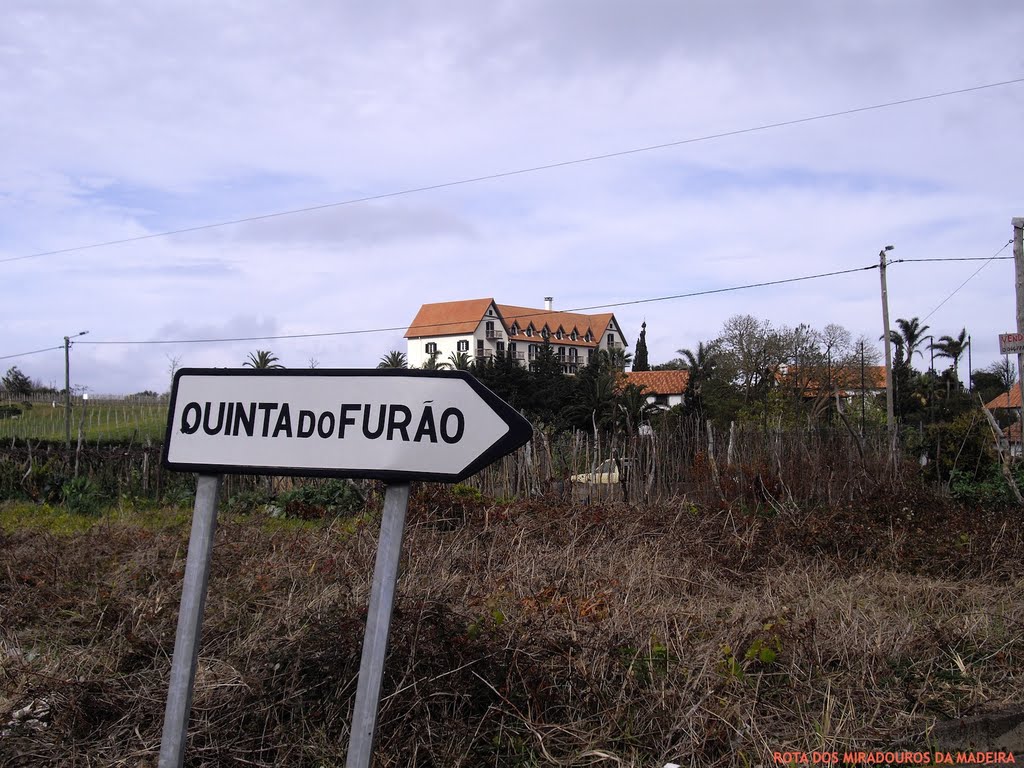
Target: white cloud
124, 122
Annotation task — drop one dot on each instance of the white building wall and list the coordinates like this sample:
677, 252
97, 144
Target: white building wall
446, 346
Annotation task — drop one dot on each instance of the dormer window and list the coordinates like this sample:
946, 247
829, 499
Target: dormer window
589, 336
514, 330
529, 331
573, 335
558, 334
546, 334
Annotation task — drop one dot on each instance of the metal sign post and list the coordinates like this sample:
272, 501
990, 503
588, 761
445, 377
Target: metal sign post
190, 622
378, 623
392, 425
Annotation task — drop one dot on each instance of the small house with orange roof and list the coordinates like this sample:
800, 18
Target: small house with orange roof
1010, 399
484, 329
664, 389
812, 382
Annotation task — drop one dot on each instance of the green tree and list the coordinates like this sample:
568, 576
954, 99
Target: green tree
700, 366
911, 336
640, 358
994, 380
593, 400
953, 349
394, 359
262, 360
16, 383
460, 361
619, 358
750, 354
507, 379
633, 409
432, 364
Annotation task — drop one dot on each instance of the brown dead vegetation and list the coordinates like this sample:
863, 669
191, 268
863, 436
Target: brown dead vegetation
525, 633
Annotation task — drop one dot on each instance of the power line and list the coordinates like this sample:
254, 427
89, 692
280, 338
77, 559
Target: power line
33, 352
520, 171
965, 282
612, 305
958, 258
532, 313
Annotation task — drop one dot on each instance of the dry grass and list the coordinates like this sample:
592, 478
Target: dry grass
526, 633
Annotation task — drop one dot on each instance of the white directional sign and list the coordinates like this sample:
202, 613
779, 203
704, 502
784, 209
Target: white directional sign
1011, 343
389, 424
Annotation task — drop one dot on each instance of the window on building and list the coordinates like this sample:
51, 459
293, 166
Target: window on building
573, 335
561, 353
558, 334
529, 331
463, 346
589, 336
545, 334
431, 347
479, 347
514, 330
611, 339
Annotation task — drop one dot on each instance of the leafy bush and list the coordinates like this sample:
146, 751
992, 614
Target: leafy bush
82, 496
248, 500
312, 501
985, 489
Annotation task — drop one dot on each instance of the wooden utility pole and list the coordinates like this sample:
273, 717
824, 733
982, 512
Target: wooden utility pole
1018, 263
67, 387
889, 410
67, 393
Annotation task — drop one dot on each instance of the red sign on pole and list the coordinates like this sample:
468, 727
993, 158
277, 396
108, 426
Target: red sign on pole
1011, 343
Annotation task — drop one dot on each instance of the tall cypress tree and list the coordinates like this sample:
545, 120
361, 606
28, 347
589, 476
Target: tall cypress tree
640, 356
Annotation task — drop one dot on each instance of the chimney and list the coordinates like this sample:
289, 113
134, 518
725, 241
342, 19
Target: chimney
547, 302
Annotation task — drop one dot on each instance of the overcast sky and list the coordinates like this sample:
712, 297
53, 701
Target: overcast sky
123, 120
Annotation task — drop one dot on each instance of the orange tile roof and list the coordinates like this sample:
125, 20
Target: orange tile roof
448, 318
596, 324
847, 380
659, 382
1009, 399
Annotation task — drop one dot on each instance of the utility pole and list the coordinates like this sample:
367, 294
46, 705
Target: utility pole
863, 392
970, 367
67, 388
1018, 262
889, 415
67, 392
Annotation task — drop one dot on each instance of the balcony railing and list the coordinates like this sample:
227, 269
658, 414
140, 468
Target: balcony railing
491, 333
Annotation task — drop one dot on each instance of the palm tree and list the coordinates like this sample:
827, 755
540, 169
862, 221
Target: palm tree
262, 359
394, 359
633, 408
459, 361
953, 349
619, 358
432, 365
595, 402
700, 365
912, 334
